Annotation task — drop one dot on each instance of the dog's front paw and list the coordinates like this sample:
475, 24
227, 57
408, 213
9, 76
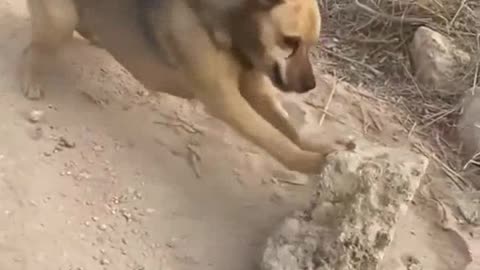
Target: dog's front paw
29, 74
31, 89
345, 144
306, 162
327, 147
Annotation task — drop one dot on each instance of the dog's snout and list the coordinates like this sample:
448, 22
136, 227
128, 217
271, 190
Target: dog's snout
309, 84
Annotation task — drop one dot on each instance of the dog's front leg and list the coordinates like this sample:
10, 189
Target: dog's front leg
233, 109
260, 93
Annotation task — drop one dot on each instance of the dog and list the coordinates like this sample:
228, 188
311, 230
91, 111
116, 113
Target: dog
232, 55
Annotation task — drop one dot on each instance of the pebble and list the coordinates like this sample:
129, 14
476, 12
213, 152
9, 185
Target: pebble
36, 116
64, 142
172, 243
104, 261
150, 210
102, 227
97, 148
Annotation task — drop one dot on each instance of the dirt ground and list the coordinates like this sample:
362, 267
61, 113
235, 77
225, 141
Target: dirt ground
113, 177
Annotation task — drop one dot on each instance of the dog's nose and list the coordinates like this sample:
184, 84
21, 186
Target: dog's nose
309, 84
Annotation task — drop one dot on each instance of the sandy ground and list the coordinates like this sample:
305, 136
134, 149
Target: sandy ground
115, 178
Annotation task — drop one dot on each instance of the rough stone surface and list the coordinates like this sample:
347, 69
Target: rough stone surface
469, 124
437, 61
360, 197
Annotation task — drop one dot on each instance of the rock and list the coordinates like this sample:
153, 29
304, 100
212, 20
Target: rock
468, 127
102, 227
360, 197
469, 207
437, 61
36, 116
104, 261
63, 142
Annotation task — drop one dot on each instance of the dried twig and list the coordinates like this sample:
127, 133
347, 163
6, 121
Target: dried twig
473, 161
477, 66
181, 123
456, 178
462, 5
329, 100
331, 115
353, 61
194, 158
402, 20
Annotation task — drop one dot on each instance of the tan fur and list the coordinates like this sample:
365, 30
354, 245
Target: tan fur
242, 97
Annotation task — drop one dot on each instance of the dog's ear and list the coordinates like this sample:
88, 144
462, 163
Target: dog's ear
265, 4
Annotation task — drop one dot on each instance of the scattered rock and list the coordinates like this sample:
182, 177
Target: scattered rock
104, 261
468, 127
353, 213
172, 243
469, 207
65, 143
102, 227
412, 263
36, 116
82, 175
437, 61
149, 210
98, 148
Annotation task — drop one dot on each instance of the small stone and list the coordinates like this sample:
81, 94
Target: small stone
97, 148
172, 243
138, 195
104, 261
95, 219
437, 61
83, 175
150, 211
102, 227
36, 116
66, 143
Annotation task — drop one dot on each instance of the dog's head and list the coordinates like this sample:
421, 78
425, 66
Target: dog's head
276, 37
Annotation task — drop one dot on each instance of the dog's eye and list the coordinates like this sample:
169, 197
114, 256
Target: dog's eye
292, 43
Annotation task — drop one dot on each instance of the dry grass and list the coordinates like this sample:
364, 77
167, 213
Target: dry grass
368, 40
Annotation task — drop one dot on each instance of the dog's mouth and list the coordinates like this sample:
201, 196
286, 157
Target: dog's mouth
277, 79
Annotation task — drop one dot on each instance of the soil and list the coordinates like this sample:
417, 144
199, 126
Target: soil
102, 174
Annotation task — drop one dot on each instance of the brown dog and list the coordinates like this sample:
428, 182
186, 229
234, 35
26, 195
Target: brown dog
232, 55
